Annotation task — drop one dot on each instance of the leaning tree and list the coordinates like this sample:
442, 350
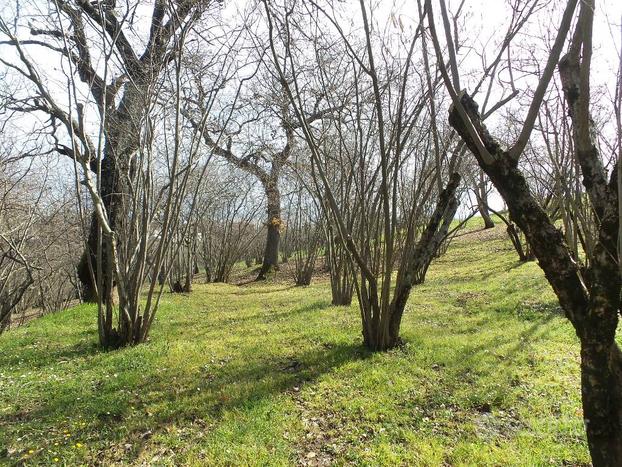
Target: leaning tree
589, 294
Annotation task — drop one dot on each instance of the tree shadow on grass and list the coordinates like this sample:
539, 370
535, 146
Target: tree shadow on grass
248, 289
458, 276
471, 351
485, 373
46, 355
121, 410
177, 325
268, 316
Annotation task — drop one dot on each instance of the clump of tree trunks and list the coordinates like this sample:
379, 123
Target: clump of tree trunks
371, 237
117, 168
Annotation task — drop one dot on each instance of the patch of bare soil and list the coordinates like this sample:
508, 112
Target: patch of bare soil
285, 274
502, 424
482, 235
317, 447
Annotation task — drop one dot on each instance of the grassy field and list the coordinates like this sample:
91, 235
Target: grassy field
270, 374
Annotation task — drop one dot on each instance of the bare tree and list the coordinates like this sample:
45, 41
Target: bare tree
383, 144
590, 295
481, 189
226, 225
121, 94
305, 231
39, 234
17, 220
260, 142
135, 215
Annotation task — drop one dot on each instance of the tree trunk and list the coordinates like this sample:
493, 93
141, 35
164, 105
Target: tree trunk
188, 283
190, 261
524, 254
488, 222
601, 390
381, 328
122, 142
9, 300
421, 256
339, 269
381, 340
342, 297
271, 252
110, 193
342, 285
112, 189
482, 202
601, 359
590, 301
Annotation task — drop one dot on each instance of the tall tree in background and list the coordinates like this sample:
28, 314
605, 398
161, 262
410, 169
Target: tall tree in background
260, 143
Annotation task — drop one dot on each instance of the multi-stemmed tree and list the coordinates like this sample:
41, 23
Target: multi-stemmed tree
105, 120
385, 105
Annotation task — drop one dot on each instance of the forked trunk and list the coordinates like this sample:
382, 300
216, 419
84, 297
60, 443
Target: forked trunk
590, 301
122, 142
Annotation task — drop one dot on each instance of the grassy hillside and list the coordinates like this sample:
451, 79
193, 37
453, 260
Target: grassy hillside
269, 374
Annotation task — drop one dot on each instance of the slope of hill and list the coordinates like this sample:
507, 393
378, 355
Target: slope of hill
269, 374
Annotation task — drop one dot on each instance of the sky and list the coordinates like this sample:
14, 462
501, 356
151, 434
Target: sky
487, 20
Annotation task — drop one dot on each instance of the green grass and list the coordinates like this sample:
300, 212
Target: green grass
268, 374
